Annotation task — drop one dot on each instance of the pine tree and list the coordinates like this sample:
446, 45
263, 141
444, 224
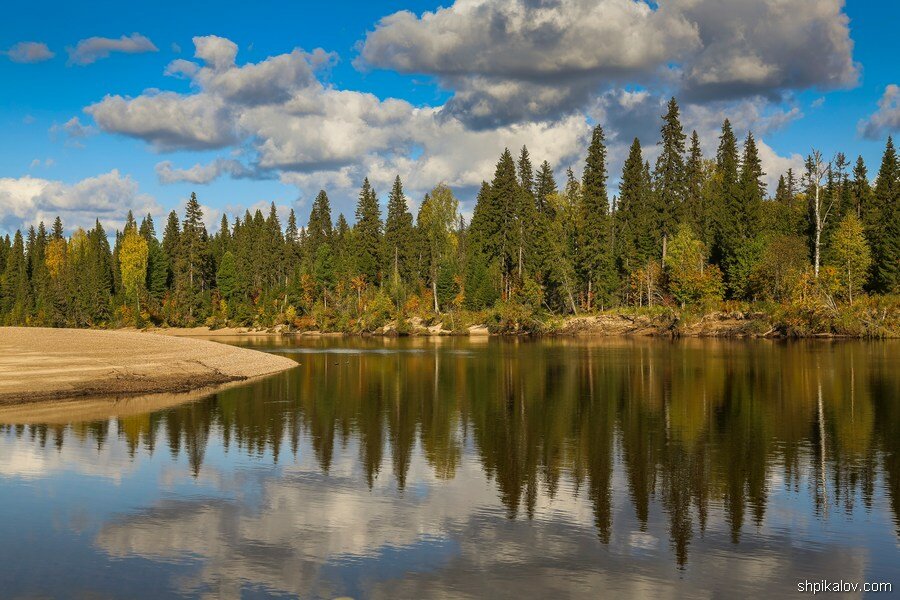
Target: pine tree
669, 177
595, 261
367, 234
398, 235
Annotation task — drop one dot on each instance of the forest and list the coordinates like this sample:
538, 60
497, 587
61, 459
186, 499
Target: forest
687, 236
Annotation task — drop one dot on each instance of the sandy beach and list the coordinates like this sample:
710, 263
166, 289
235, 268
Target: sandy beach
50, 364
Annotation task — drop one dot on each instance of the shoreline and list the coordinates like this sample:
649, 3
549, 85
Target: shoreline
42, 364
722, 325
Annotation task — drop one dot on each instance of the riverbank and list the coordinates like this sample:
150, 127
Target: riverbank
657, 322
39, 364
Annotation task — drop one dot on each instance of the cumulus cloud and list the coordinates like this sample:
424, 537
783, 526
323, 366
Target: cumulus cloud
73, 130
317, 133
29, 200
202, 174
29, 52
92, 49
168, 120
526, 59
886, 119
315, 136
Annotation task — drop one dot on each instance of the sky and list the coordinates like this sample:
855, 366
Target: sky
107, 106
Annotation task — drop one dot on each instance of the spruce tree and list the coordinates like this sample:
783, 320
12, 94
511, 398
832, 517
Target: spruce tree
730, 225
398, 235
526, 173
367, 234
669, 175
293, 245
157, 263
14, 301
481, 290
506, 198
884, 224
344, 250
753, 189
226, 276
861, 191
57, 232
273, 241
192, 262
636, 218
318, 230
595, 261
694, 212
544, 186
5, 246
171, 244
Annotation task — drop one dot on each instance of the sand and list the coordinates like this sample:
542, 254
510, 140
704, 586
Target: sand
50, 364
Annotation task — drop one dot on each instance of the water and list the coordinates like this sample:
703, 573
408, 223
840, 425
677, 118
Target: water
475, 468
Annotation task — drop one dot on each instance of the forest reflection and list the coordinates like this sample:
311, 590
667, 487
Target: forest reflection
687, 425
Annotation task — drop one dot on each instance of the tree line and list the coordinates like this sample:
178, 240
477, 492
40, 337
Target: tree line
687, 231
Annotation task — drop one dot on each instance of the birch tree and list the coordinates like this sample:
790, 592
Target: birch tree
821, 204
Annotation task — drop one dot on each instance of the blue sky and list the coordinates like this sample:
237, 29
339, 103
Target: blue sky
432, 94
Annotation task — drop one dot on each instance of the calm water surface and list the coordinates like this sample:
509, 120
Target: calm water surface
456, 468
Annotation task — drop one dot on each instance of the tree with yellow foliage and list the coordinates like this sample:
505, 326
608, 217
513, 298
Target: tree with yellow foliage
133, 257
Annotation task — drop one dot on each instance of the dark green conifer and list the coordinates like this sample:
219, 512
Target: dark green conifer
398, 235
669, 175
595, 260
367, 236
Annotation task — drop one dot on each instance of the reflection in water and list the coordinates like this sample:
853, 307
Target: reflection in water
433, 467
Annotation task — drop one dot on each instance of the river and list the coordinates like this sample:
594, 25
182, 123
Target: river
453, 467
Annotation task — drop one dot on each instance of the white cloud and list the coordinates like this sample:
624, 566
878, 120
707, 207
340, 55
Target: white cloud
74, 131
168, 120
774, 165
29, 52
29, 200
218, 52
201, 174
92, 49
539, 59
886, 119
314, 136
35, 163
